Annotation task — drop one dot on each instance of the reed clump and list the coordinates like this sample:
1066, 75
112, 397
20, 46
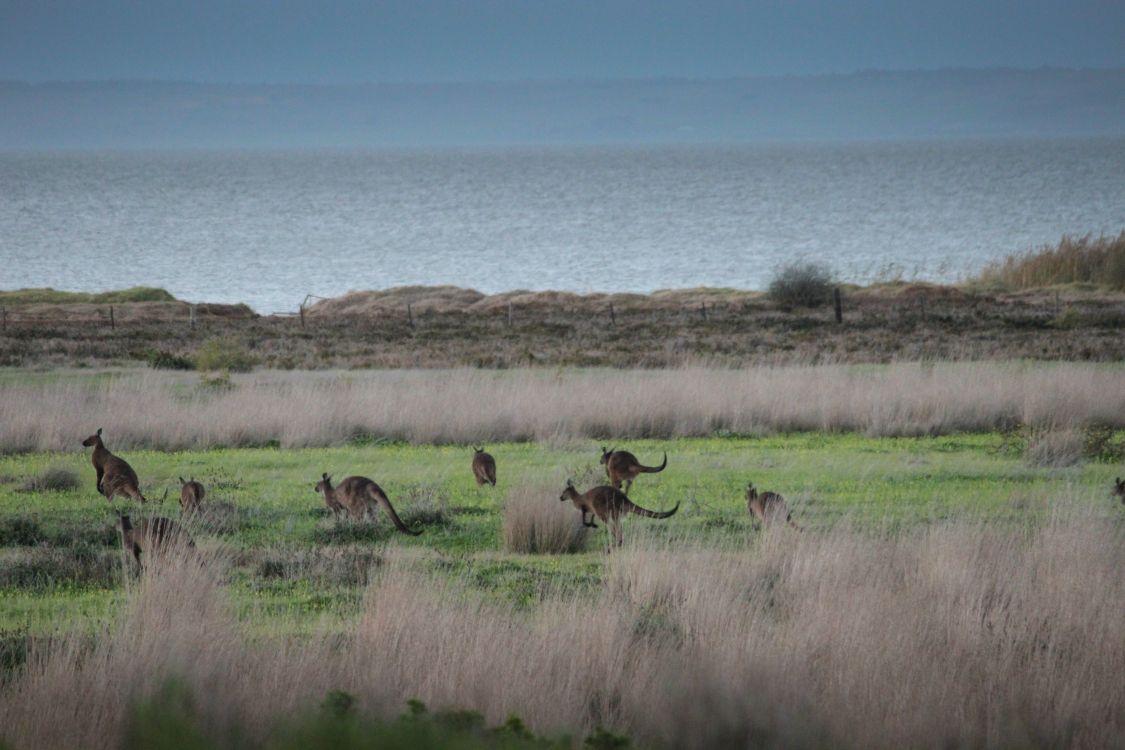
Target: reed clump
536, 522
1074, 260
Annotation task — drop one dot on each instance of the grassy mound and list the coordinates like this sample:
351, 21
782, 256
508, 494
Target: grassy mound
56, 297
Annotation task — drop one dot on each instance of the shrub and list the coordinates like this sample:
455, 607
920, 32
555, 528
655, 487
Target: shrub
802, 285
223, 354
1055, 448
535, 522
158, 359
53, 479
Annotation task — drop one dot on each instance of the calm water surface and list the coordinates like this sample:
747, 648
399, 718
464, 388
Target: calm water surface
268, 228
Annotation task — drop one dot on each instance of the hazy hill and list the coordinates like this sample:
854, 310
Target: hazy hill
868, 105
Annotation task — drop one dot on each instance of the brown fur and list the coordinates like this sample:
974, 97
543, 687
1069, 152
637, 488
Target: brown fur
191, 495
608, 504
484, 467
623, 467
359, 496
768, 507
1119, 489
114, 475
151, 535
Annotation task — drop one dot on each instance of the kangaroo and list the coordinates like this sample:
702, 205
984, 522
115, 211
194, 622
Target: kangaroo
359, 496
151, 535
484, 467
1119, 489
191, 495
768, 507
115, 476
608, 504
623, 466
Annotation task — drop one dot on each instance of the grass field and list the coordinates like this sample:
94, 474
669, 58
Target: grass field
292, 563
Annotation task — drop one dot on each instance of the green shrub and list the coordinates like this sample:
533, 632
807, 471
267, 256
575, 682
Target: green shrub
223, 354
802, 285
158, 359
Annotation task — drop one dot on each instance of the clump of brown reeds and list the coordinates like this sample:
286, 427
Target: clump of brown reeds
1086, 259
968, 633
536, 522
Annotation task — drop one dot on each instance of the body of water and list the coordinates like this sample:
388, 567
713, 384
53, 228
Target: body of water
267, 228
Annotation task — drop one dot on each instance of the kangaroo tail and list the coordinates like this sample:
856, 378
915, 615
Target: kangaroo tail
655, 469
386, 504
634, 508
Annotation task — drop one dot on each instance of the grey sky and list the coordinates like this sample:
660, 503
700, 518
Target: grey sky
446, 40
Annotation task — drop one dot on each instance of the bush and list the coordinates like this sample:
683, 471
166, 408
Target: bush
223, 354
802, 285
52, 479
158, 359
535, 522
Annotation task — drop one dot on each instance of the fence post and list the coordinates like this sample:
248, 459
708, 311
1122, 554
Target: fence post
703, 310
191, 316
301, 310
612, 316
839, 306
509, 314
112, 324
4, 315
409, 315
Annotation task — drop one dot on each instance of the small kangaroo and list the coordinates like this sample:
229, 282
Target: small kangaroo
768, 507
1119, 489
115, 476
359, 496
623, 466
191, 495
151, 535
608, 504
484, 467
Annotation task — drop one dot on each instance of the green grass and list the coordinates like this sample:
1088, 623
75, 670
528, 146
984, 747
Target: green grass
293, 566
56, 297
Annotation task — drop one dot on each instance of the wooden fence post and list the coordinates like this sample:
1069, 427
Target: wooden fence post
4, 315
612, 316
839, 306
191, 317
301, 310
112, 324
409, 315
703, 310
509, 314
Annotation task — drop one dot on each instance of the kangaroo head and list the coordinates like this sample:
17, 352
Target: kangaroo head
325, 483
606, 454
569, 493
751, 493
93, 439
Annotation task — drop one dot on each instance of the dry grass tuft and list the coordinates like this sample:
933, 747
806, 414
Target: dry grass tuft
52, 479
968, 633
536, 522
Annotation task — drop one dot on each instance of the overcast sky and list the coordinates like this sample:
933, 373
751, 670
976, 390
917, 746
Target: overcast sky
450, 40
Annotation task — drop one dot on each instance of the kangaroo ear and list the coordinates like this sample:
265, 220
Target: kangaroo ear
99, 432
324, 475
570, 483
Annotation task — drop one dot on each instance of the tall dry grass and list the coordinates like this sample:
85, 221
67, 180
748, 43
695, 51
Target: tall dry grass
173, 411
1086, 259
537, 522
968, 633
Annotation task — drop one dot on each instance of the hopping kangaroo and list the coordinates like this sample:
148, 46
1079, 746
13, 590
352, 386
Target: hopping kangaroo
151, 536
1119, 489
608, 504
115, 476
768, 507
484, 467
191, 495
623, 466
359, 496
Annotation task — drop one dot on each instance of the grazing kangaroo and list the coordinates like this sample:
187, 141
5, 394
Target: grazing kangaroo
768, 507
115, 476
1119, 489
359, 496
151, 535
191, 495
623, 466
484, 467
608, 504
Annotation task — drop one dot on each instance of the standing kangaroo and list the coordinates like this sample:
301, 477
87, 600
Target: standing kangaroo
115, 476
484, 467
1119, 489
768, 507
608, 504
623, 466
191, 495
151, 536
359, 496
